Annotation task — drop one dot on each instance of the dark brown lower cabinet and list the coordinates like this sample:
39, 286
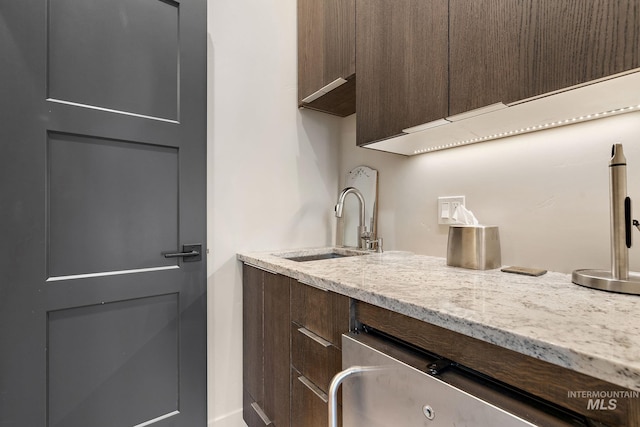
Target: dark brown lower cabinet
318, 320
266, 348
291, 345
252, 344
292, 350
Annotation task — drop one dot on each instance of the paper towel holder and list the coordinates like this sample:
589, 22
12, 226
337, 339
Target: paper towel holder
618, 279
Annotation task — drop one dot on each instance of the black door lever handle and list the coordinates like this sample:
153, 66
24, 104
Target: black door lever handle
182, 254
190, 253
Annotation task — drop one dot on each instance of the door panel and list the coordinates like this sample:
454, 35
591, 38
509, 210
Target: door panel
87, 38
86, 369
102, 169
112, 204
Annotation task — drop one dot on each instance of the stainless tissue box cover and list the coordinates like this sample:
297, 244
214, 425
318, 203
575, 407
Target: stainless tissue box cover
474, 246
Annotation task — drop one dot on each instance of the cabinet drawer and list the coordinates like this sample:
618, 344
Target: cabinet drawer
314, 357
309, 405
322, 312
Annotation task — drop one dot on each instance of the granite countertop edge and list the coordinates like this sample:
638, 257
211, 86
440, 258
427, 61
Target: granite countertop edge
344, 276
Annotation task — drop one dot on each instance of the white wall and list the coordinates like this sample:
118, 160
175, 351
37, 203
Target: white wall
547, 191
272, 170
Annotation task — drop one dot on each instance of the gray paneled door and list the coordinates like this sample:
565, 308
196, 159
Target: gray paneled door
102, 172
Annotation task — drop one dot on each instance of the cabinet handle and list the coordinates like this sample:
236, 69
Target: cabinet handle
482, 110
261, 413
425, 126
315, 337
311, 386
323, 91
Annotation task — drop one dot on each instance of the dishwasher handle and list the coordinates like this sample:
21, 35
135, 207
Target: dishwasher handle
337, 380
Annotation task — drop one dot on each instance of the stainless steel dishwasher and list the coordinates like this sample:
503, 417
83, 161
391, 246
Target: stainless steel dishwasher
387, 384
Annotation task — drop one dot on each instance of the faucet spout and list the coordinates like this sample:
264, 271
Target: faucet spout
343, 194
362, 229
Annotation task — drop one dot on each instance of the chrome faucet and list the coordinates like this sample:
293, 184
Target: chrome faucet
362, 229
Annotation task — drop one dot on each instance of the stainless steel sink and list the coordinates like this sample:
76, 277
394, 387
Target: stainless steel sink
322, 256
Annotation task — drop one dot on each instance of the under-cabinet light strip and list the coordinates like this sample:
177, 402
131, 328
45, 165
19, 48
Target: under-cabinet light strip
530, 129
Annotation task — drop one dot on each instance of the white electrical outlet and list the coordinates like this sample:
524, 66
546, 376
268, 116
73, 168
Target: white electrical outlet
447, 206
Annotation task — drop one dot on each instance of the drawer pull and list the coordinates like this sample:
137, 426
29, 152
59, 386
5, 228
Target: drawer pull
314, 337
261, 413
311, 386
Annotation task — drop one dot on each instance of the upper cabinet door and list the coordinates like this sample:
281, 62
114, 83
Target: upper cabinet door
401, 52
326, 53
510, 50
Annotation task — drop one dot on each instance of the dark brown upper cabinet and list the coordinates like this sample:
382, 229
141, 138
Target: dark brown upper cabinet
511, 50
326, 56
402, 57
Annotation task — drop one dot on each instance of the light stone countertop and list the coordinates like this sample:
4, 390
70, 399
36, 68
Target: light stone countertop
589, 331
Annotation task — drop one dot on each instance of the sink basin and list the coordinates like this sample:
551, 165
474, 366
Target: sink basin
318, 257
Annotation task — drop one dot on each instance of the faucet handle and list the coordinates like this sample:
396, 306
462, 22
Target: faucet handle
379, 245
374, 244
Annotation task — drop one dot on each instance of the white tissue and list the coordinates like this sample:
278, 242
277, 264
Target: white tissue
464, 216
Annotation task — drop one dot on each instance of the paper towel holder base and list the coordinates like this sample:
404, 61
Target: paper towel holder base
604, 280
